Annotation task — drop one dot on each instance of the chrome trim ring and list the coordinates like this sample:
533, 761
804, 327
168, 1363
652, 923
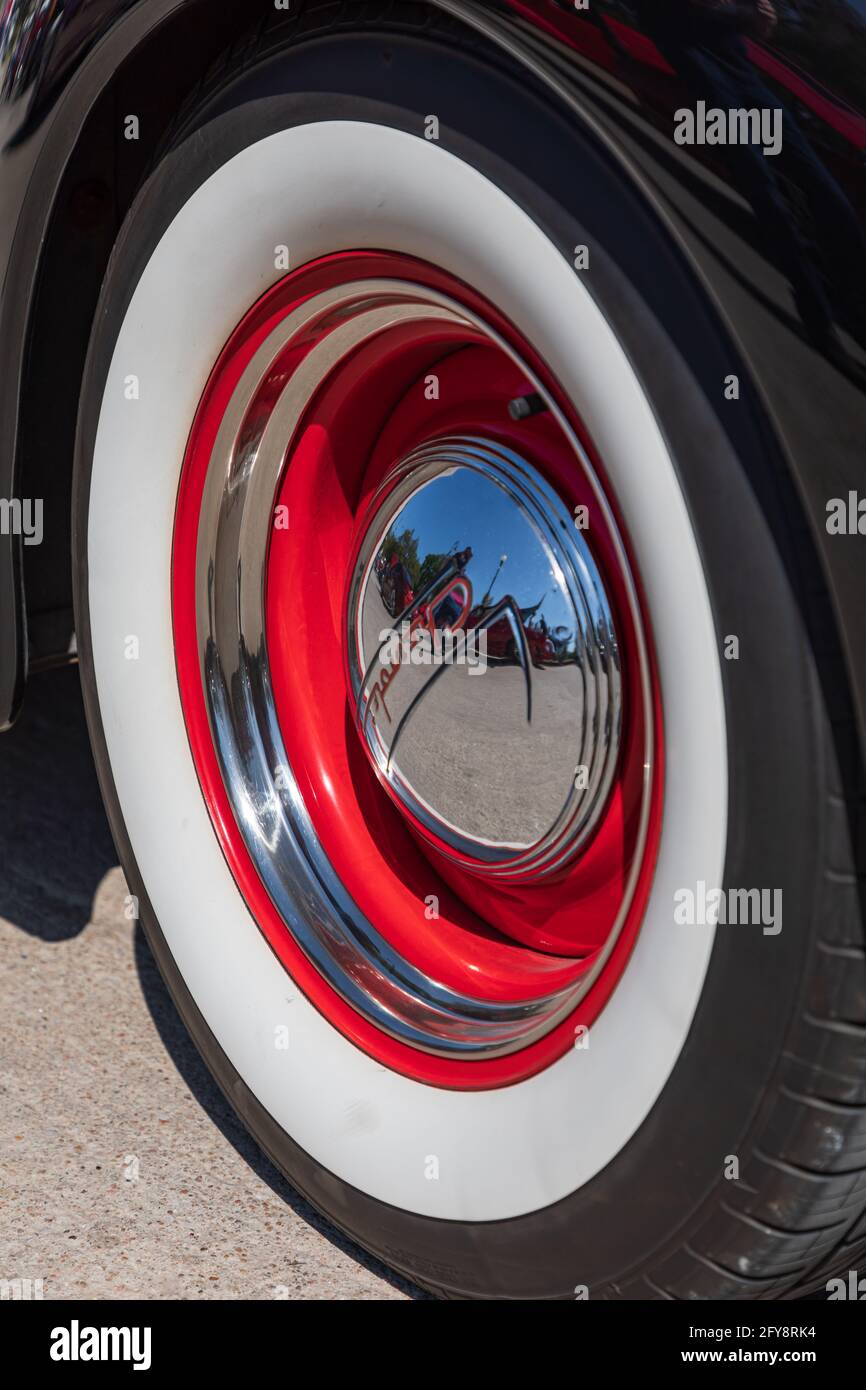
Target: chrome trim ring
246, 463
553, 615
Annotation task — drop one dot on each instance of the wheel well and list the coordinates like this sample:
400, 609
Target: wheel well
100, 181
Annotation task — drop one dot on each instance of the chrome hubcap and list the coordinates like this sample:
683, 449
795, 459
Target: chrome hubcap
483, 659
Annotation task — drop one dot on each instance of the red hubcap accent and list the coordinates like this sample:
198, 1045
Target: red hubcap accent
496, 941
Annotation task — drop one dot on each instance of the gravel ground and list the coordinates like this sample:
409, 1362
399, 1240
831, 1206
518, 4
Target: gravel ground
123, 1172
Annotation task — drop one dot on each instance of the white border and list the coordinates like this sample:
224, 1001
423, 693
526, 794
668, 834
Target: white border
317, 189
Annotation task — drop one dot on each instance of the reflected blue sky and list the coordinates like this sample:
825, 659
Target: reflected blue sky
462, 509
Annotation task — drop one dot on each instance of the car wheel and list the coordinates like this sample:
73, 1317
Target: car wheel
452, 948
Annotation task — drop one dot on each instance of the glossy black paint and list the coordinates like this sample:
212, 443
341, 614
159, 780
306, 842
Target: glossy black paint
69, 71
779, 246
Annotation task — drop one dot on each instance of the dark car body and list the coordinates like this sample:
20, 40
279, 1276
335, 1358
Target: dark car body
70, 70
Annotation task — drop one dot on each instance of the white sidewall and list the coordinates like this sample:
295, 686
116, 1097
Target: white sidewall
318, 189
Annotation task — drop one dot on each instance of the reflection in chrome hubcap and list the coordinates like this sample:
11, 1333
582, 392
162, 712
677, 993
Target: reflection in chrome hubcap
501, 740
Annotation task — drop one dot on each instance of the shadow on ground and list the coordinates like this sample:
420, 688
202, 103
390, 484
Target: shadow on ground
55, 845
55, 850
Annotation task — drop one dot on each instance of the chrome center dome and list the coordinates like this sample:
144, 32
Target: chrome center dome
483, 659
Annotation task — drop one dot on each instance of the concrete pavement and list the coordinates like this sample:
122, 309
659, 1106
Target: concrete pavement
123, 1171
